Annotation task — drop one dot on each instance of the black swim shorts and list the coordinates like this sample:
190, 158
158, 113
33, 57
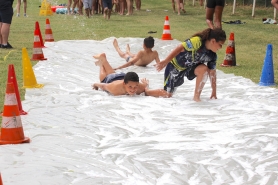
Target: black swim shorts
6, 15
214, 3
113, 77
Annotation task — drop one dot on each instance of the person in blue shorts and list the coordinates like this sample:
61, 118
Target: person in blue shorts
214, 9
195, 57
117, 83
6, 14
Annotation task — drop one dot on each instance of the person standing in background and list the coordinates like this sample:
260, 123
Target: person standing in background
214, 8
180, 6
24, 7
6, 15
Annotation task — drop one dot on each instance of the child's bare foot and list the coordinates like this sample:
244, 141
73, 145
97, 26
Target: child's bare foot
98, 63
183, 10
115, 43
196, 99
100, 56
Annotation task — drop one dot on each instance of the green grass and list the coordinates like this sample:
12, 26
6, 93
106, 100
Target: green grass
251, 38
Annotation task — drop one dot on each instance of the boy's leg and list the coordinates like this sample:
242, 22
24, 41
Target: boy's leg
128, 51
69, 5
275, 3
201, 72
18, 7
105, 67
25, 6
122, 54
182, 6
178, 6
218, 16
209, 17
173, 6
122, 7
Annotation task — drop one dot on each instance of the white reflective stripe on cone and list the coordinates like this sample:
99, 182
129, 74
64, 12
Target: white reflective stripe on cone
166, 23
166, 31
10, 99
11, 122
37, 50
48, 36
36, 38
47, 26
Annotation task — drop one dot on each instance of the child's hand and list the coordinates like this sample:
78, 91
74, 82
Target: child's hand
145, 82
160, 65
95, 87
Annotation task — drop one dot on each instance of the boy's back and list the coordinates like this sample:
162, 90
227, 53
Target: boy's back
145, 57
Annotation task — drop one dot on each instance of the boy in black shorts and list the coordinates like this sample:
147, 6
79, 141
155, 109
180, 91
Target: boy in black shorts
117, 83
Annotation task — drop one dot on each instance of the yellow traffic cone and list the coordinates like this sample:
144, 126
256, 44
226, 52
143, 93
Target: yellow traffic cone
29, 79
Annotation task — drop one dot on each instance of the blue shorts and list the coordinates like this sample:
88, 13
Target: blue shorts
113, 77
6, 15
107, 4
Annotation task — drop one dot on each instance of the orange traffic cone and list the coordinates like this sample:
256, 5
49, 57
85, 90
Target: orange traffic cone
48, 32
230, 57
1, 183
166, 31
37, 47
37, 26
12, 79
11, 131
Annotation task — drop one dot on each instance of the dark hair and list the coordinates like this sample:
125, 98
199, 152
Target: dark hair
149, 42
217, 33
131, 76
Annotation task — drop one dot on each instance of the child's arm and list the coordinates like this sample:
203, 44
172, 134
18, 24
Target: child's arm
103, 86
157, 60
212, 77
132, 61
173, 53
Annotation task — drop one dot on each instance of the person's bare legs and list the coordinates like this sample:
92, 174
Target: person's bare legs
275, 3
138, 4
68, 7
105, 67
128, 51
120, 52
178, 6
173, 6
109, 13
18, 7
182, 6
122, 7
75, 3
202, 75
201, 2
218, 16
4, 33
209, 17
129, 7
25, 7
105, 13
